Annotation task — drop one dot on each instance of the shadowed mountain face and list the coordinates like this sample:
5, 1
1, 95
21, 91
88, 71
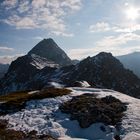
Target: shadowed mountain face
131, 61
3, 69
38, 69
19, 72
48, 49
45, 54
105, 71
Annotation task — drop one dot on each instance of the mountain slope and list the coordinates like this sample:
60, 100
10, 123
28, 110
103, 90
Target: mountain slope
103, 70
42, 66
22, 70
19, 72
131, 61
45, 54
3, 69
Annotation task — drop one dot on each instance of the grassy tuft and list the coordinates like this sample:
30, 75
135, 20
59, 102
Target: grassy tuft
10, 134
50, 93
16, 101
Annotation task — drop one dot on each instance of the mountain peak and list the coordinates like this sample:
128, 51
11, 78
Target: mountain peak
48, 40
48, 49
104, 54
43, 44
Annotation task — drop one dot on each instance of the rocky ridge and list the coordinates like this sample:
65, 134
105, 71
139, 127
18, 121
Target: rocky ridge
47, 63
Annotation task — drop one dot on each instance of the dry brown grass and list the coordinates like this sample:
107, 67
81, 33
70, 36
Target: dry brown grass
50, 93
14, 96
45, 93
8, 134
16, 101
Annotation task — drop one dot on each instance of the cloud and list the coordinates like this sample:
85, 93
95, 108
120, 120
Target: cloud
9, 58
6, 50
116, 51
81, 53
127, 28
62, 34
44, 14
24, 23
38, 38
23, 6
111, 44
121, 39
125, 35
99, 27
38, 3
104, 27
9, 4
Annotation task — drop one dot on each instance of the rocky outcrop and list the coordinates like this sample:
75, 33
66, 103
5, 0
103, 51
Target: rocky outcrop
103, 70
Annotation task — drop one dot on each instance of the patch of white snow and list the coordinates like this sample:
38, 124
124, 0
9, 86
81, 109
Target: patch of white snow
44, 116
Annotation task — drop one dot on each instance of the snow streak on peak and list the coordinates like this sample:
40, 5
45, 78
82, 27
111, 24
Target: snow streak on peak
40, 62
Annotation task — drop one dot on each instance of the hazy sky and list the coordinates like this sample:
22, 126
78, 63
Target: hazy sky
80, 27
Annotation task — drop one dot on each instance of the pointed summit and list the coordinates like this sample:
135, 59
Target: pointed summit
48, 49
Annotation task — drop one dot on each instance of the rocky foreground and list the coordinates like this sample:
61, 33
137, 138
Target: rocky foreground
85, 113
87, 109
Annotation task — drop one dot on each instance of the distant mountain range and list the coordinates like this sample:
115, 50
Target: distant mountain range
3, 69
131, 61
47, 63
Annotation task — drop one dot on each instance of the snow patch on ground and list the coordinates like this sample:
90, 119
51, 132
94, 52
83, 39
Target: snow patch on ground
132, 136
85, 84
33, 92
2, 102
131, 120
44, 116
55, 85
